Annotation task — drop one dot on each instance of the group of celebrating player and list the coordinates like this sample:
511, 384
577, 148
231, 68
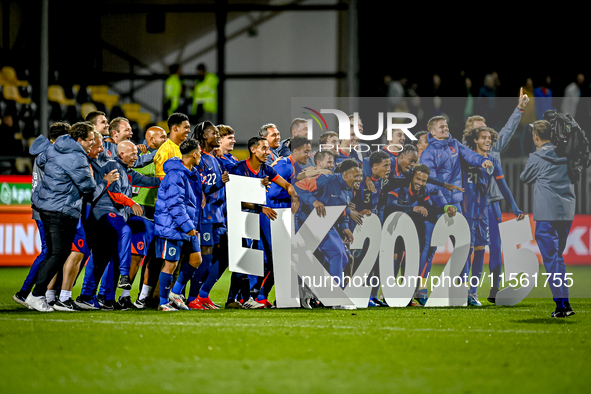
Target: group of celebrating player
100, 199
436, 175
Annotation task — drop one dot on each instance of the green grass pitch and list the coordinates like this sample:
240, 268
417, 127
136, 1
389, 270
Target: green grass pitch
444, 350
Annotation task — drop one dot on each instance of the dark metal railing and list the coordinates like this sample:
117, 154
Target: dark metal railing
524, 194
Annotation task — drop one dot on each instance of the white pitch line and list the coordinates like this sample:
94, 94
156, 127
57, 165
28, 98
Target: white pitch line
230, 325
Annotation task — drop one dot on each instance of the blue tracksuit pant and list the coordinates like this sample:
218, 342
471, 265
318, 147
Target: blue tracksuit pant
495, 262
333, 248
32, 276
551, 237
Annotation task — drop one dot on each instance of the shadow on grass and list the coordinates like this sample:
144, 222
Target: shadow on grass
547, 320
14, 311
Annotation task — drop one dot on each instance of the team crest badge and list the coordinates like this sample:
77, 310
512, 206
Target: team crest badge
171, 251
490, 170
206, 236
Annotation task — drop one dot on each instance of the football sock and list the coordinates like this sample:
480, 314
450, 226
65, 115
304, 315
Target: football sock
65, 295
374, 291
477, 267
466, 271
187, 272
125, 293
145, 291
198, 277
213, 274
559, 303
165, 283
234, 287
50, 295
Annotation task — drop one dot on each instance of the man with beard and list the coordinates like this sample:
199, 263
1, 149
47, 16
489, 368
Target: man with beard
413, 199
112, 212
155, 137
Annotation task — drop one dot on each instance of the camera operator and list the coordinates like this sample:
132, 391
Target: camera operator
554, 210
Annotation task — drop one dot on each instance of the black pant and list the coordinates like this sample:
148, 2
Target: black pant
60, 230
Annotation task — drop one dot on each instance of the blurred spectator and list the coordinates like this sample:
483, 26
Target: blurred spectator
414, 103
12, 144
205, 95
496, 81
383, 88
172, 90
431, 105
529, 116
437, 85
395, 92
572, 94
469, 107
529, 113
486, 102
543, 97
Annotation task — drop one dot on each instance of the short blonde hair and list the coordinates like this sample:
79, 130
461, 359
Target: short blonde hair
431, 123
470, 122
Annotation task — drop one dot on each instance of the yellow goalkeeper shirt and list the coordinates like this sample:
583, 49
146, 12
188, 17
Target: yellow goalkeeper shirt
166, 151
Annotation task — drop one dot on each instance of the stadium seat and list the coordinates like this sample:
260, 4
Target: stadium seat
11, 93
130, 107
87, 108
132, 112
164, 125
98, 89
100, 93
10, 77
110, 100
142, 119
56, 93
